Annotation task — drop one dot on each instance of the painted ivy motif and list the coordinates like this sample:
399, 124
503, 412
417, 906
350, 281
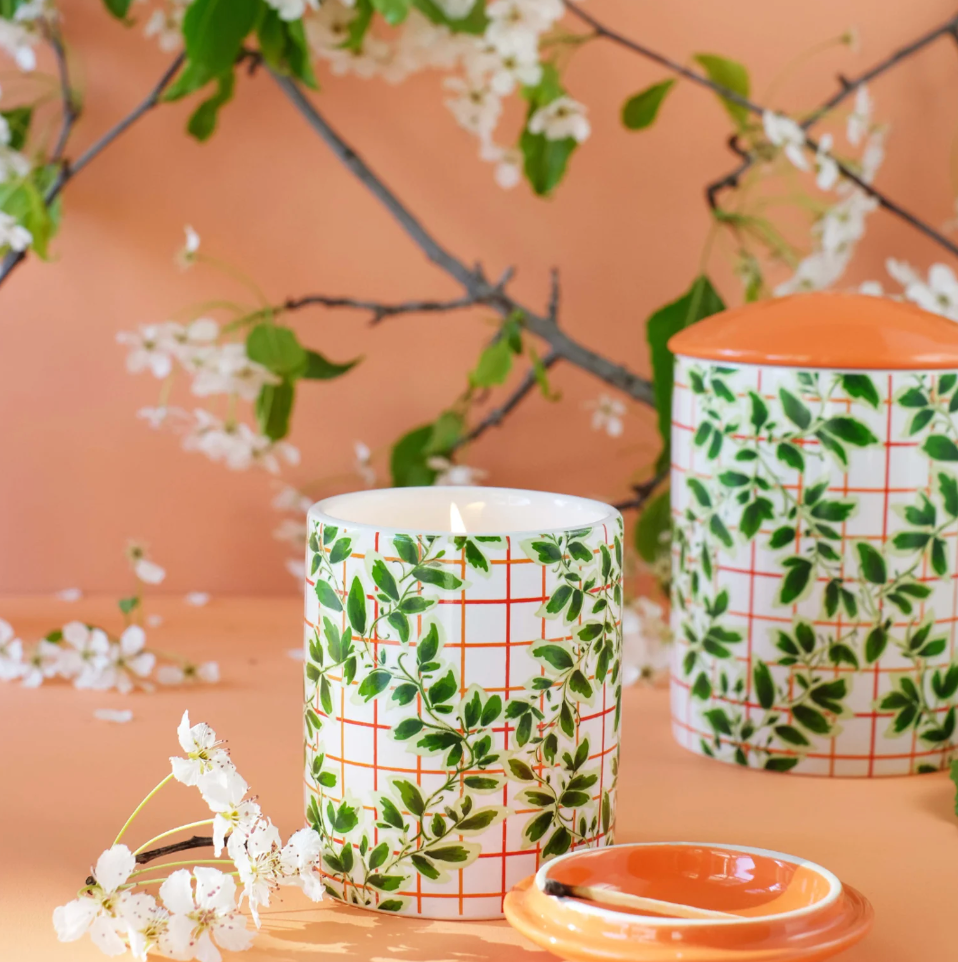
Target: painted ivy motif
372, 857
869, 587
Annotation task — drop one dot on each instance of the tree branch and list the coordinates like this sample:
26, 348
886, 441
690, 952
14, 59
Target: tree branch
379, 310
848, 87
496, 416
472, 280
643, 491
196, 841
68, 170
69, 109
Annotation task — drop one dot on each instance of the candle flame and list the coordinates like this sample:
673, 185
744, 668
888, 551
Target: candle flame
456, 523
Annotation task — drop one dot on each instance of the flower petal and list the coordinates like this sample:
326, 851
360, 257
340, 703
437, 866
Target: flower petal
113, 867
132, 640
72, 920
105, 933
177, 893
214, 890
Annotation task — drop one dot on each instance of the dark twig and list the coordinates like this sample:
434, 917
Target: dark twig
848, 86
496, 416
472, 280
196, 841
68, 105
68, 170
643, 491
380, 311
553, 310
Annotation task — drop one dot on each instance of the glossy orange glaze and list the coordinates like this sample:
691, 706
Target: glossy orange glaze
789, 910
825, 330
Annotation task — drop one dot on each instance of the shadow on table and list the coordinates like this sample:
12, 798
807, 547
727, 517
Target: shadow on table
335, 929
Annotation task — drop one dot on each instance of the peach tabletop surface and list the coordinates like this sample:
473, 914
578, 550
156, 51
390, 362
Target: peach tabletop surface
68, 782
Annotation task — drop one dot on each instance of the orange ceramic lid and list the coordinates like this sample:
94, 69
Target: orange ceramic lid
752, 906
825, 330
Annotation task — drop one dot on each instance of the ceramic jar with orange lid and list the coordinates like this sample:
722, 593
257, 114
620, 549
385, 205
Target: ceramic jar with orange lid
815, 519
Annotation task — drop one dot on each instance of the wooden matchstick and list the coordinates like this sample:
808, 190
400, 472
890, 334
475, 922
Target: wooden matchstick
602, 895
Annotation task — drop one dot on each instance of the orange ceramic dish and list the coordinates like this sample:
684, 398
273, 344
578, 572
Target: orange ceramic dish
783, 908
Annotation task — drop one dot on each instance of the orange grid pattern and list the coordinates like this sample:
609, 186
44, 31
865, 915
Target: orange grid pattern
364, 770
861, 747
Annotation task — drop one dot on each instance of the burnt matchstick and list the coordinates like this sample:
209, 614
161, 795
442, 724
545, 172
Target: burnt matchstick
603, 895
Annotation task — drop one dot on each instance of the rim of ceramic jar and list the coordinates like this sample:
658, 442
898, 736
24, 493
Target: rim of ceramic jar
334, 510
775, 364
596, 911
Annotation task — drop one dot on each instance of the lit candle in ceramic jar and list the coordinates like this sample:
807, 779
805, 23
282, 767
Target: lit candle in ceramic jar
462, 690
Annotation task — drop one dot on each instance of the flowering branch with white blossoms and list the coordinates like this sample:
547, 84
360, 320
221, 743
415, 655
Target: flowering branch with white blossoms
196, 912
92, 658
489, 50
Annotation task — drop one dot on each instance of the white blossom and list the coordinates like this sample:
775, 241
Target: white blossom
562, 118
292, 530
224, 790
18, 41
607, 416
197, 599
455, 474
147, 925
12, 234
364, 467
292, 9
127, 662
296, 567
150, 349
645, 641
873, 155
87, 655
196, 923
871, 289
118, 716
69, 594
825, 164
476, 106
859, 120
43, 662
902, 272
938, 294
11, 653
98, 910
229, 370
204, 753
783, 132
207, 671
166, 26
148, 571
289, 499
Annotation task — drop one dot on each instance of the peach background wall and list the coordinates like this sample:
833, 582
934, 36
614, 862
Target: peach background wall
79, 475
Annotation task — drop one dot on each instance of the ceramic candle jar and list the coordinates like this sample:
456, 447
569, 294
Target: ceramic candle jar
815, 509
462, 691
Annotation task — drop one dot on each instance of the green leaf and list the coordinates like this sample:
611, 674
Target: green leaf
949, 493
406, 729
406, 549
754, 514
940, 448
862, 387
390, 814
474, 22
812, 719
789, 454
374, 683
443, 689
580, 684
850, 430
717, 718
408, 459
871, 564
428, 646
126, 605
640, 111
424, 867
521, 770
780, 763
494, 365
393, 11
23, 201
541, 824
340, 550
411, 797
276, 348
734, 77
913, 398
555, 655
213, 31
491, 711
274, 407
474, 556
356, 606
437, 577
450, 853
548, 552
791, 735
202, 121
559, 843
795, 410
717, 527
875, 644
119, 9
18, 122
327, 596
385, 580
764, 686
795, 581
319, 368
699, 302
544, 160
